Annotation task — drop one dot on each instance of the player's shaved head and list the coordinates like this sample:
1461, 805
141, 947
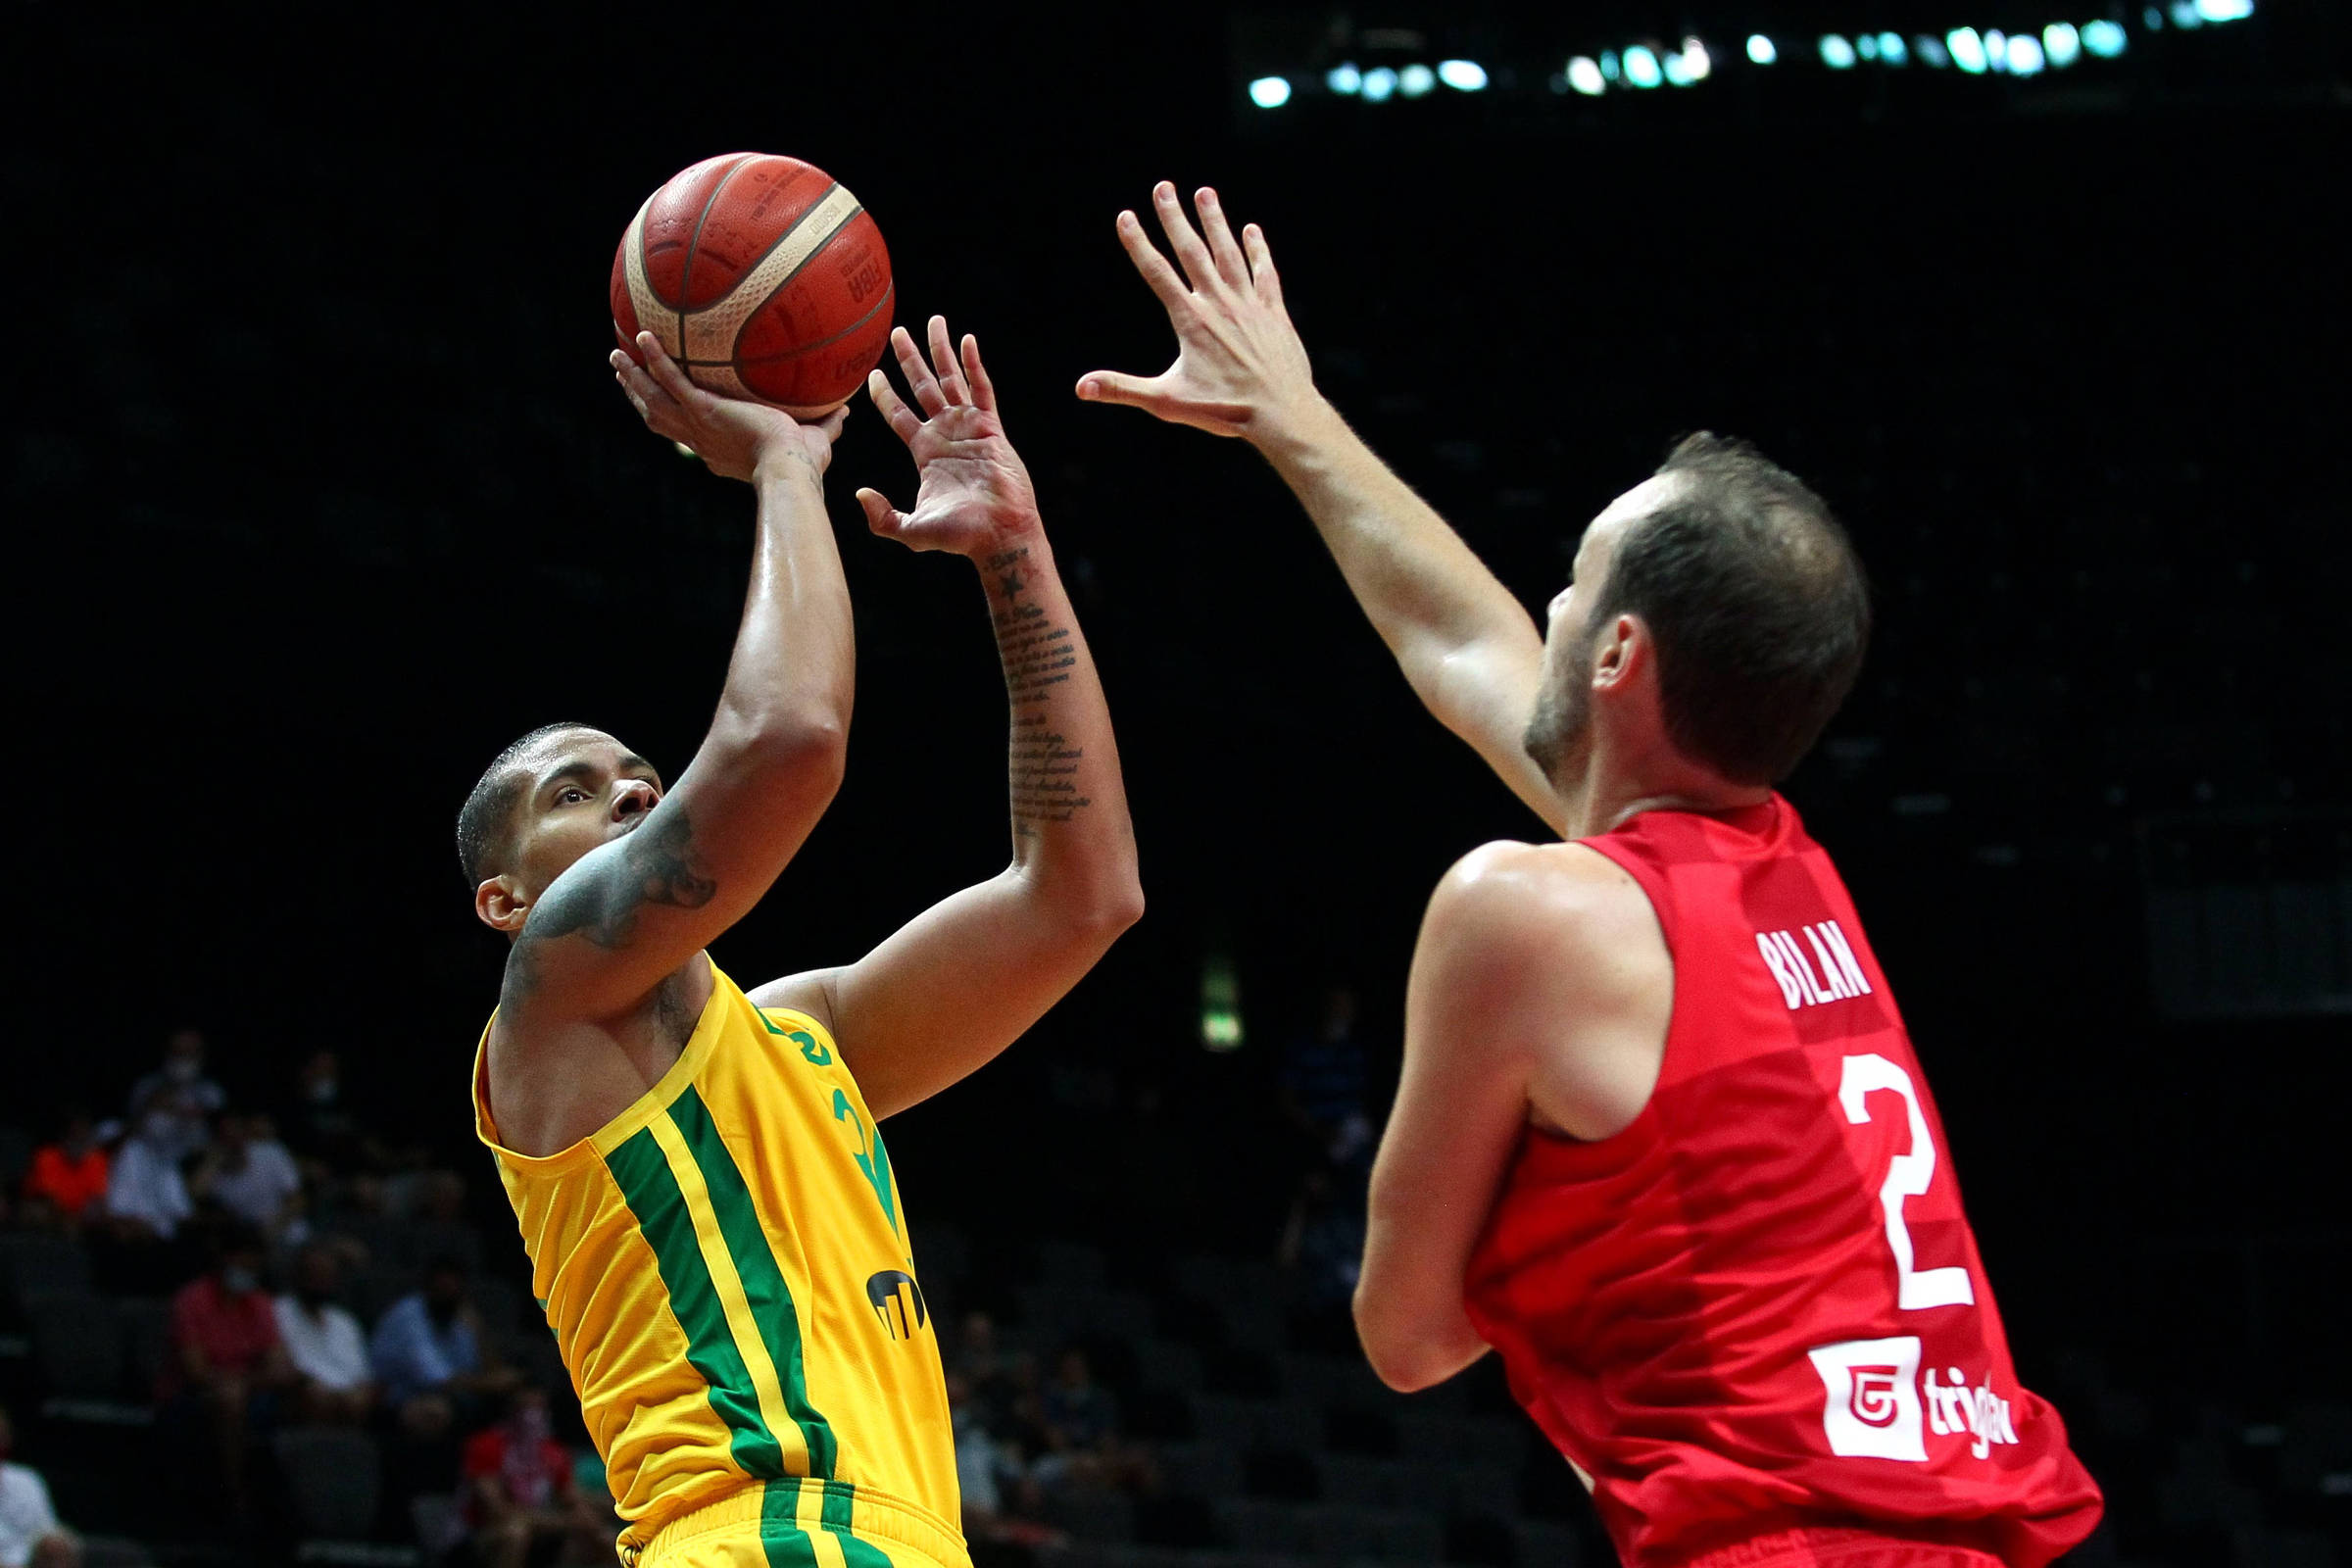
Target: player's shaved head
486, 821
1755, 600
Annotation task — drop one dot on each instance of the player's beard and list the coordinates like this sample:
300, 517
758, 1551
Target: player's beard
1561, 724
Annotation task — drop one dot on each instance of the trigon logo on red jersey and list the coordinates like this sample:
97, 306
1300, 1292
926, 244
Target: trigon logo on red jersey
1830, 975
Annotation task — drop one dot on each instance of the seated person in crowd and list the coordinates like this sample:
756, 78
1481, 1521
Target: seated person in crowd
137, 1244
180, 1093
30, 1535
1081, 1420
519, 1492
248, 1172
69, 1175
428, 1354
227, 1367
321, 1126
324, 1344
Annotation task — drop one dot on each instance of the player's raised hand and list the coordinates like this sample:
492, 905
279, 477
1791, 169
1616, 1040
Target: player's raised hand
1240, 366
730, 434
972, 492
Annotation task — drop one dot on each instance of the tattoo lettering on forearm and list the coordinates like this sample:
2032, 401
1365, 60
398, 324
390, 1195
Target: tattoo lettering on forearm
1038, 656
654, 864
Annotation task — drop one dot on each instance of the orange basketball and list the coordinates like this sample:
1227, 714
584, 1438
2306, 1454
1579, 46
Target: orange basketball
761, 276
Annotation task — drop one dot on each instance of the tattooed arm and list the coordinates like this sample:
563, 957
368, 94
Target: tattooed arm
965, 979
664, 881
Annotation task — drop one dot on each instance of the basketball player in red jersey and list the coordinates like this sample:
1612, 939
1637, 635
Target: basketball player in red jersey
1661, 1138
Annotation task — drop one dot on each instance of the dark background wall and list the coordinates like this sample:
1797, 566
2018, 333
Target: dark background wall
319, 493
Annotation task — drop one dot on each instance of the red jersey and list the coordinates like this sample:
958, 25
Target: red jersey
1759, 1310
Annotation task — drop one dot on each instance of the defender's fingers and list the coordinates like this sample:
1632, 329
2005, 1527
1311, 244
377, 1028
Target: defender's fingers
1262, 275
1198, 266
943, 360
663, 370
1158, 274
1116, 387
1230, 266
984, 391
919, 379
902, 420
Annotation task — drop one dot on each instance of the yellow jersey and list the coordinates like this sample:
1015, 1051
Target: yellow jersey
726, 1270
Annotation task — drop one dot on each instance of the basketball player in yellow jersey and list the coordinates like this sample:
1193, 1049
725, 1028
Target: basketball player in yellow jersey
698, 1169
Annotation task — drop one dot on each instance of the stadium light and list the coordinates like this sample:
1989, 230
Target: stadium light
2024, 55
2185, 15
1931, 50
2106, 39
1345, 80
1892, 50
1270, 92
2152, 20
1968, 50
1608, 65
1378, 82
2062, 43
1760, 49
1866, 44
1415, 80
2225, 10
1697, 63
1583, 74
1642, 67
1996, 49
1462, 76
1836, 52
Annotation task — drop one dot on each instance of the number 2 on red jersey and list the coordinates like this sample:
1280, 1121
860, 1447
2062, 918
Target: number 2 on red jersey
1872, 1408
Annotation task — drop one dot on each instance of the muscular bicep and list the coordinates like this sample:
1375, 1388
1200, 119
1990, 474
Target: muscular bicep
1461, 1106
629, 913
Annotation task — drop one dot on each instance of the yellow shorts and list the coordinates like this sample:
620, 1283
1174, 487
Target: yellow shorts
803, 1524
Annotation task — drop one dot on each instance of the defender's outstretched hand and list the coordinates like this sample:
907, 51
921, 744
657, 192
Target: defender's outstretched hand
972, 491
1240, 367
730, 434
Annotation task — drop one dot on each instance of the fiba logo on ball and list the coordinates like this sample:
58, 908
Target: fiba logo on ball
762, 277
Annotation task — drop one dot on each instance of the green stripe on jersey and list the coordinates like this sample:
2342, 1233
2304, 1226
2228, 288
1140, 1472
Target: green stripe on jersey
642, 1172
763, 1286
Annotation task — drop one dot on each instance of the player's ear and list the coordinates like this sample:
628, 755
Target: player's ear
501, 905
1620, 652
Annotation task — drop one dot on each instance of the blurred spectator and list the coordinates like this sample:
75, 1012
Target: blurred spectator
248, 1172
30, 1535
1323, 1241
145, 1193
1323, 1084
177, 1101
139, 1248
1081, 1420
429, 1354
520, 1492
229, 1365
69, 1175
320, 1124
324, 1344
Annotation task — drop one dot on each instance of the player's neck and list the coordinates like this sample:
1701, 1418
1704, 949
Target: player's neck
1611, 784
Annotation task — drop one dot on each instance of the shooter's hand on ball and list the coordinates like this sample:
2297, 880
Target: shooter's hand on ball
973, 495
1240, 367
732, 435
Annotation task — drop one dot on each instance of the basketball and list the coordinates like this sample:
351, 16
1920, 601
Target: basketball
761, 276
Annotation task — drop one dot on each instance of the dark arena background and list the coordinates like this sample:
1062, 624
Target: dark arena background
321, 492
